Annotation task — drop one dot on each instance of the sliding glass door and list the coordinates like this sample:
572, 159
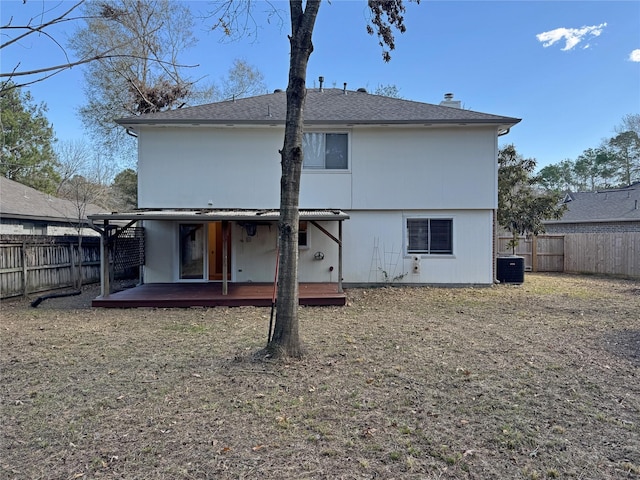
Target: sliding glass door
192, 242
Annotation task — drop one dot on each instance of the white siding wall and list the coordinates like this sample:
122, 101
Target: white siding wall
429, 168
393, 172
190, 167
252, 258
375, 241
393, 168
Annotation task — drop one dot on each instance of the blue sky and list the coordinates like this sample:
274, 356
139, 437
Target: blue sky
569, 69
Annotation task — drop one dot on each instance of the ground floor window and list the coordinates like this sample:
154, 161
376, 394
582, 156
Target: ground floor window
303, 234
430, 236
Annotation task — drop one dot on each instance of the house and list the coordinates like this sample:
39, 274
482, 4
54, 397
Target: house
392, 190
27, 211
604, 211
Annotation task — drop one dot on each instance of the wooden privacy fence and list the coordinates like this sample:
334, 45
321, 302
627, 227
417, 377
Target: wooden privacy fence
544, 253
611, 253
31, 264
607, 253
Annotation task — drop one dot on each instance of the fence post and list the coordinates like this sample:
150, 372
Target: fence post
24, 268
534, 253
72, 265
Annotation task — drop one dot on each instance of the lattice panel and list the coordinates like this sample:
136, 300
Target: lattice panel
128, 249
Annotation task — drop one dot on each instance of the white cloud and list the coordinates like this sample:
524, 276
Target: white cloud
634, 56
572, 36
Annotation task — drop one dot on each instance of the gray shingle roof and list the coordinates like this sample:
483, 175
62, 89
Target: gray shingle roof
19, 201
620, 204
330, 106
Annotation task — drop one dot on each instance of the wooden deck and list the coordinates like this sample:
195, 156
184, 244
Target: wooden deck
181, 295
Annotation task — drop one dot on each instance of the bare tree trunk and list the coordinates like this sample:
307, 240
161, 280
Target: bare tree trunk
286, 339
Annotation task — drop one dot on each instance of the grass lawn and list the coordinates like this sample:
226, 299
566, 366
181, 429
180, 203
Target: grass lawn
517, 382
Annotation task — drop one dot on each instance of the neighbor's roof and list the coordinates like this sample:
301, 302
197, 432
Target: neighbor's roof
22, 202
326, 107
615, 205
210, 214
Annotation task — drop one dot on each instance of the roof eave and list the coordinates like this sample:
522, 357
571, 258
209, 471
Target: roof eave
502, 122
40, 218
591, 220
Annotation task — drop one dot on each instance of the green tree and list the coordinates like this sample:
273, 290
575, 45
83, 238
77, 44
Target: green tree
521, 207
385, 16
595, 168
557, 177
27, 154
625, 148
125, 189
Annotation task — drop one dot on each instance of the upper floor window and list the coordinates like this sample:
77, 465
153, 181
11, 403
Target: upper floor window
325, 151
430, 236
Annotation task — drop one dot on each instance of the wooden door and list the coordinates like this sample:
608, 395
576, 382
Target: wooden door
215, 251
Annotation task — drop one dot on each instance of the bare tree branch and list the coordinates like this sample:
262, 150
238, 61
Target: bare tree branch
39, 28
60, 68
50, 71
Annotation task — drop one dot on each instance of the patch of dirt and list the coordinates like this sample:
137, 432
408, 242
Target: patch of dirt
625, 344
533, 381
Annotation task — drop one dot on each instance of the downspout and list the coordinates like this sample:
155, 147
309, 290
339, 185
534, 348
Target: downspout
131, 133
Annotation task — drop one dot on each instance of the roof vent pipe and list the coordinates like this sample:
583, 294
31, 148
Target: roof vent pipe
345, 88
448, 96
321, 80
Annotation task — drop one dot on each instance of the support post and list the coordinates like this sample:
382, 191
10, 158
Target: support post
340, 257
534, 253
225, 260
105, 276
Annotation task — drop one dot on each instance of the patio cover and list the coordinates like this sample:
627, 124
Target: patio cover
108, 230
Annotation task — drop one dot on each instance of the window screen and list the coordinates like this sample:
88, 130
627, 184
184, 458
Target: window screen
429, 236
327, 151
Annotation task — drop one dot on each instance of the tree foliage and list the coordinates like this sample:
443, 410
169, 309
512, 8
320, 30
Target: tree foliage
44, 26
125, 189
625, 149
614, 163
85, 176
27, 141
521, 207
389, 90
143, 75
386, 15
242, 80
